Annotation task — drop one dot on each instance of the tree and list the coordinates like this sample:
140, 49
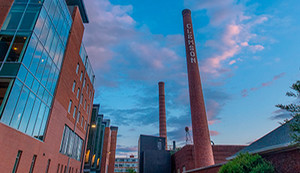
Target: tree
294, 109
247, 163
130, 170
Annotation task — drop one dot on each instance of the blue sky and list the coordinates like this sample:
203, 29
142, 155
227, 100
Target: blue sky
248, 55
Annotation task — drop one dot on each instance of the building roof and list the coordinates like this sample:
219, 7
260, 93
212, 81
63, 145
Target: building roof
82, 10
276, 139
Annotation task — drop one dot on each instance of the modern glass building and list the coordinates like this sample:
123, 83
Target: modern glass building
38, 96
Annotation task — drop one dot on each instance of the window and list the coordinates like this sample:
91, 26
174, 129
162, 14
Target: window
87, 89
87, 110
78, 91
70, 105
17, 161
71, 144
84, 125
74, 113
82, 119
84, 103
32, 164
74, 85
78, 116
80, 101
58, 166
81, 74
77, 68
84, 82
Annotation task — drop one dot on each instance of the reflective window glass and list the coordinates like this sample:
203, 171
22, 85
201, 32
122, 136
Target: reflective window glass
39, 121
30, 17
71, 143
27, 112
74, 113
77, 68
36, 58
29, 51
41, 67
13, 18
29, 80
74, 85
22, 73
46, 71
54, 46
41, 91
40, 22
11, 103
19, 108
70, 105
44, 123
78, 91
50, 39
33, 116
35, 86
45, 31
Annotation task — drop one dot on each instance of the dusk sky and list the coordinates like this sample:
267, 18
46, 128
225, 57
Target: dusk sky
248, 53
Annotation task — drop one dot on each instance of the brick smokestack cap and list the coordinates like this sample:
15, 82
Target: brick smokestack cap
186, 11
113, 128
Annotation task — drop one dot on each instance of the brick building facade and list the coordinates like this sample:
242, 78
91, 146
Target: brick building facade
45, 110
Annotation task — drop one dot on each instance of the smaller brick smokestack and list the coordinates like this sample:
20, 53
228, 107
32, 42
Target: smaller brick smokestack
113, 145
162, 112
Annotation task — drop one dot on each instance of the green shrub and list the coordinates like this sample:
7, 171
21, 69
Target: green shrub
246, 163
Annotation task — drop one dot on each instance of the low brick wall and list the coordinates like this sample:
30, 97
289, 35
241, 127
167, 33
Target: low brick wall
285, 161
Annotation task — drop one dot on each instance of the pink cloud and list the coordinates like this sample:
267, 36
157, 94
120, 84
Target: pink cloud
214, 133
245, 92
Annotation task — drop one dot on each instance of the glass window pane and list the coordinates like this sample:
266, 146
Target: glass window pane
44, 123
30, 51
51, 77
35, 86
19, 108
46, 71
33, 116
29, 80
39, 119
45, 31
41, 67
11, 103
36, 58
27, 112
17, 48
74, 113
41, 91
22, 73
5, 41
30, 17
54, 46
70, 106
71, 143
13, 19
40, 22
50, 39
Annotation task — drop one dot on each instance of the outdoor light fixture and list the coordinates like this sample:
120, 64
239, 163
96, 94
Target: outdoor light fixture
93, 126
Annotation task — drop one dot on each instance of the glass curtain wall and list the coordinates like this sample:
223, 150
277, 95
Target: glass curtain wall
32, 40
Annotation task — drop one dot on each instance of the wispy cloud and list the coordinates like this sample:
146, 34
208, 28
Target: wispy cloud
245, 92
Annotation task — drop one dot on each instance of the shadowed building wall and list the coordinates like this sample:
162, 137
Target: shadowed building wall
106, 150
203, 151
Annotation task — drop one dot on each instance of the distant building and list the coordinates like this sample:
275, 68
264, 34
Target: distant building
123, 164
101, 144
153, 158
46, 86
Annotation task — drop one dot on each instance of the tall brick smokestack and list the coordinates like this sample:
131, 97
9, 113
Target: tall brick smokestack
162, 112
202, 146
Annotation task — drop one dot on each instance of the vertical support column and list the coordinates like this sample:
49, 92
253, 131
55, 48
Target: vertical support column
202, 147
162, 112
113, 145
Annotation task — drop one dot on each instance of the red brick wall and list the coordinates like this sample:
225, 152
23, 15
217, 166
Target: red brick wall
106, 149
287, 161
113, 145
185, 157
210, 169
5, 6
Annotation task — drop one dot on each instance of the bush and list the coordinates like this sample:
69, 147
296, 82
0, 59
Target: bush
246, 163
